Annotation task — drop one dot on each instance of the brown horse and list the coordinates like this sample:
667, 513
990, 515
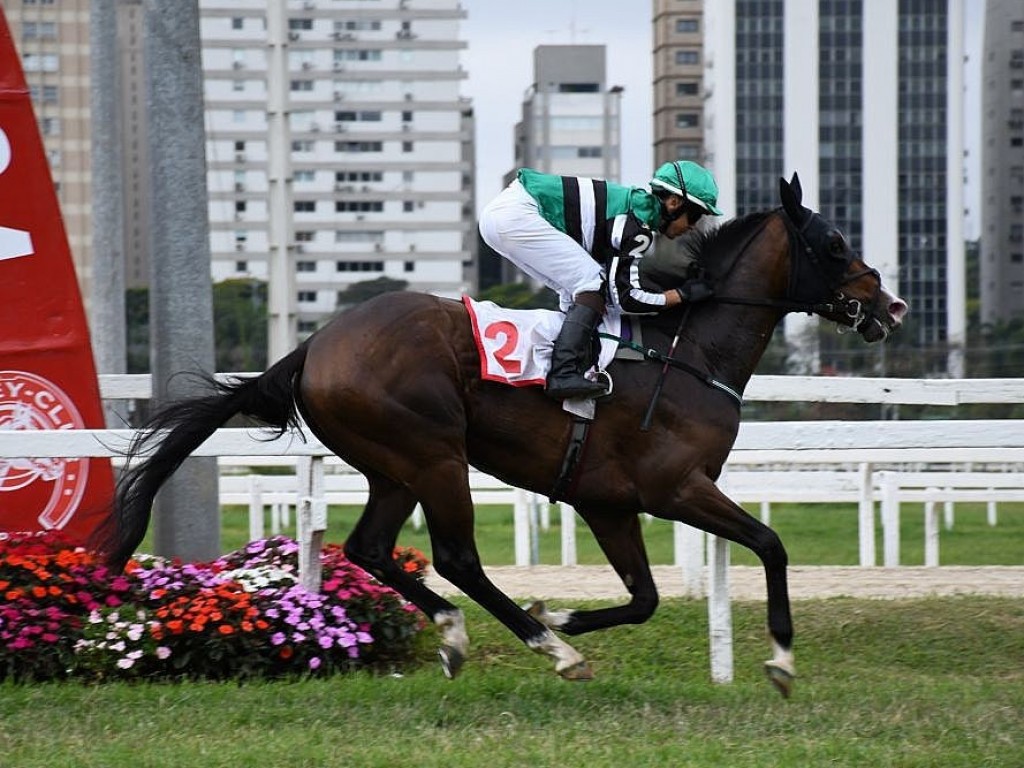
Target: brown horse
393, 387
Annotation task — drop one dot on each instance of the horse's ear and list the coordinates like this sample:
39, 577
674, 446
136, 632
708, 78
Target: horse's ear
797, 189
791, 195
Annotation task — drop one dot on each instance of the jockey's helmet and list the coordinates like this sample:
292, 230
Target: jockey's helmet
690, 181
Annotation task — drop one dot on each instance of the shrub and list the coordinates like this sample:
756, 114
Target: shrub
243, 615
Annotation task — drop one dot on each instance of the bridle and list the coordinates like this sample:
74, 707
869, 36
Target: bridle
810, 278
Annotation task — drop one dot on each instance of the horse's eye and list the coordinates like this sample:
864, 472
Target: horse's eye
837, 245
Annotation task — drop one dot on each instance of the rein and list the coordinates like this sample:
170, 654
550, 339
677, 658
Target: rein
661, 357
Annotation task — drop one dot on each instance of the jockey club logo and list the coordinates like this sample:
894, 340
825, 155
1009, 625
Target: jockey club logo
52, 485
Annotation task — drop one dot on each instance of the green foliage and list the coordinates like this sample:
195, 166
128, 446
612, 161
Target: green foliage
519, 296
136, 307
368, 289
240, 325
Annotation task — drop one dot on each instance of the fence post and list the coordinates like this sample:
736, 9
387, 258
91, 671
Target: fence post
255, 508
689, 555
521, 526
890, 519
311, 519
719, 611
991, 511
866, 516
931, 534
568, 533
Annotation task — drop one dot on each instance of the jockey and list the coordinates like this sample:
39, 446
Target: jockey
572, 233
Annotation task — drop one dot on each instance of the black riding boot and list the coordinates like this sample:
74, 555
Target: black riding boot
571, 356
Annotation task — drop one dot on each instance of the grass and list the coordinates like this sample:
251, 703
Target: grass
930, 682
814, 534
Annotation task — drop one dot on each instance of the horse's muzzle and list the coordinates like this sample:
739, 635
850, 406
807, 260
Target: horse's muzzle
886, 317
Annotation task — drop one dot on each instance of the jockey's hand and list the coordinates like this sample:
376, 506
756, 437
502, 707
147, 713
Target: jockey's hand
696, 290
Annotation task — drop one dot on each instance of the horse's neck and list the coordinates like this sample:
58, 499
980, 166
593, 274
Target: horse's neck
730, 341
732, 338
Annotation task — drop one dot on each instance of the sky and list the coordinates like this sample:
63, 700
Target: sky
501, 37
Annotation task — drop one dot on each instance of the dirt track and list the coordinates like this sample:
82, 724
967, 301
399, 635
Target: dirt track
747, 582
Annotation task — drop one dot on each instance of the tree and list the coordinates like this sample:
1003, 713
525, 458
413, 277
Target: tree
519, 296
360, 292
240, 325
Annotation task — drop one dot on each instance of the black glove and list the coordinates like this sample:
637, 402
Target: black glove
695, 290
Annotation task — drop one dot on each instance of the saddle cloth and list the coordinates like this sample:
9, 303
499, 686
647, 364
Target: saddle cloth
515, 344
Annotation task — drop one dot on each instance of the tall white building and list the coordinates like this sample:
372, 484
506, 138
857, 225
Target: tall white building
864, 99
378, 176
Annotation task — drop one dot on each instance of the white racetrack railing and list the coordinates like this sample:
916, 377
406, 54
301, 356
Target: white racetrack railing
850, 450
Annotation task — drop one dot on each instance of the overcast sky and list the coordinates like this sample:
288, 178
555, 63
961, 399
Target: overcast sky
501, 38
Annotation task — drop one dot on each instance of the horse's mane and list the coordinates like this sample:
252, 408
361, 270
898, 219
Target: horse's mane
672, 266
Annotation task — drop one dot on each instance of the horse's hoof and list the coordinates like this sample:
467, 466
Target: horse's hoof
780, 677
578, 671
451, 660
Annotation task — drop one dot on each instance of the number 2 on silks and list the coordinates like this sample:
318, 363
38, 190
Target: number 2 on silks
508, 331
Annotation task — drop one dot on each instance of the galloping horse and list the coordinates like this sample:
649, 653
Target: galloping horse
393, 387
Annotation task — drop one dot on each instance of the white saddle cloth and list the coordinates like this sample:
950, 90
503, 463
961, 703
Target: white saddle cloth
515, 345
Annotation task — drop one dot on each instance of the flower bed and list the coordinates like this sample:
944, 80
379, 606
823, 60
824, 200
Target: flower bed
64, 614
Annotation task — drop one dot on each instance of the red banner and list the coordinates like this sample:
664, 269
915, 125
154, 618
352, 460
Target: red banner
47, 374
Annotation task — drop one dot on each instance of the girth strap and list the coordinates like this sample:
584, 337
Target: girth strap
566, 481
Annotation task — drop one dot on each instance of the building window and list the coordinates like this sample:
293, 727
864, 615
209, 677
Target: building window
305, 266
407, 146
301, 85
241, 266
359, 236
237, 22
304, 236
688, 88
408, 206
356, 54
359, 206
359, 266
688, 151
687, 57
409, 266
302, 145
355, 177
304, 206
307, 297
687, 120
306, 326
358, 146
686, 26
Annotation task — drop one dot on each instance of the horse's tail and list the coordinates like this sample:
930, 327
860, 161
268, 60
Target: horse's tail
180, 428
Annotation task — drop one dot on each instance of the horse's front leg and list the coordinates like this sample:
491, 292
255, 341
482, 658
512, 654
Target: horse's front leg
621, 540
701, 504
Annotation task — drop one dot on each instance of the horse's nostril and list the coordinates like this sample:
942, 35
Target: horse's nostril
897, 309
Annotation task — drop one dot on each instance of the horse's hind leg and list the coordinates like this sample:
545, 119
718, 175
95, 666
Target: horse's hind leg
371, 546
621, 540
448, 508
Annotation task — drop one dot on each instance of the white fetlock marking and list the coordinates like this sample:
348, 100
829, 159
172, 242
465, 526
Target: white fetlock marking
550, 619
783, 658
452, 625
565, 655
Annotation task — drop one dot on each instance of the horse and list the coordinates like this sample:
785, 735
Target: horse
393, 387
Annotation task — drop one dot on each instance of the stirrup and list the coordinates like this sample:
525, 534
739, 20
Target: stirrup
583, 388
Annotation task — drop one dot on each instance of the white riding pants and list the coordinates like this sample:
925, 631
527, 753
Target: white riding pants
511, 224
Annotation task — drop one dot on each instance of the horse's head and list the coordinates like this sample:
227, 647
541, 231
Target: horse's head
826, 273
